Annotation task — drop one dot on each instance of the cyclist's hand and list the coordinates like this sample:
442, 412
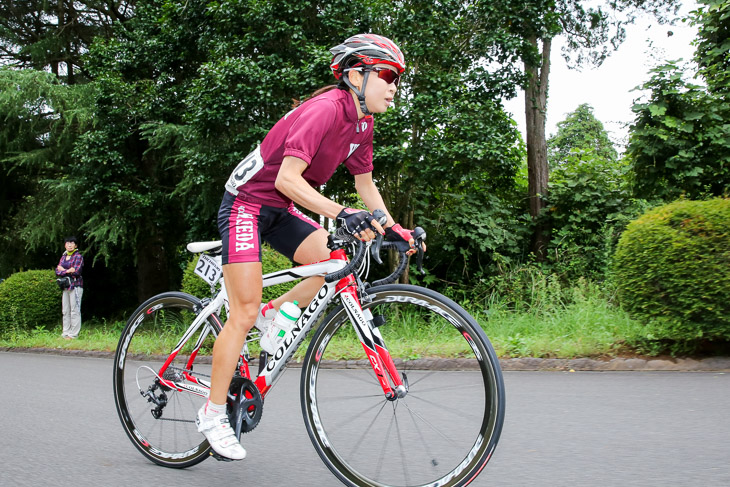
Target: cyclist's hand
397, 233
359, 223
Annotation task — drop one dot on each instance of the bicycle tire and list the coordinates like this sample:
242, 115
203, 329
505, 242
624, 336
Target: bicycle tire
351, 423
170, 439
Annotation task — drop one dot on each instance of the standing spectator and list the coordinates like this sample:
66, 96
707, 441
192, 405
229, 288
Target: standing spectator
71, 265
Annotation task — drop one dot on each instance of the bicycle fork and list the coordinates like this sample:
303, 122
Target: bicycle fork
394, 384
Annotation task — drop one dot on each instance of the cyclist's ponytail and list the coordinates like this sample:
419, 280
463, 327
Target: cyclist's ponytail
324, 89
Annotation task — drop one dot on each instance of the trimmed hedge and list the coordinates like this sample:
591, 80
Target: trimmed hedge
271, 261
672, 269
30, 299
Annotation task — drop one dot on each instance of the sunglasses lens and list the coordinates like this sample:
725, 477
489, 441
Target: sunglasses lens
388, 76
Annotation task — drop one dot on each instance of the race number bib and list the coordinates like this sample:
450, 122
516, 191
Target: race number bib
208, 269
245, 170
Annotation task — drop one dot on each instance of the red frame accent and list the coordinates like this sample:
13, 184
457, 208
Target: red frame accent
379, 357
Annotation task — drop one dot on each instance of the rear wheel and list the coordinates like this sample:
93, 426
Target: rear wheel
160, 420
442, 432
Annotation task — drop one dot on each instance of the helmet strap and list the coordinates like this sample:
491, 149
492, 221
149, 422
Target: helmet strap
361, 92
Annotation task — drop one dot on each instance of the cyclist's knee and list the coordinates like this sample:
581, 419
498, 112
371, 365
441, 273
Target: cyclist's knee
243, 316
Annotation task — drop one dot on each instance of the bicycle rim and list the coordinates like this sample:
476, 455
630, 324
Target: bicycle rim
443, 432
160, 421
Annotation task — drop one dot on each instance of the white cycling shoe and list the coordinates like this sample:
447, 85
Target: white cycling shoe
220, 435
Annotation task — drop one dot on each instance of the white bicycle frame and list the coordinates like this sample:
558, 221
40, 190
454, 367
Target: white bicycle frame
346, 287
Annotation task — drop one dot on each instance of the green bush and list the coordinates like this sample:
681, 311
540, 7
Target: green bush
271, 261
672, 269
29, 299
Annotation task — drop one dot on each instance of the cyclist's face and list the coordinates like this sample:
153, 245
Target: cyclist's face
378, 92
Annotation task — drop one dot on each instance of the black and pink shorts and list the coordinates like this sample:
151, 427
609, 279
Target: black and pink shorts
243, 225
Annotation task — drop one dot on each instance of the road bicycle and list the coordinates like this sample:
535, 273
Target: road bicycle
388, 415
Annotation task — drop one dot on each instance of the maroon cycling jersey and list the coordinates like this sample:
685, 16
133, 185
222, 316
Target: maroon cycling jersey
324, 132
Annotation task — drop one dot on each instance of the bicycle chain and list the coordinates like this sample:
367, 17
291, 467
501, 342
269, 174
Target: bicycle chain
181, 371
176, 420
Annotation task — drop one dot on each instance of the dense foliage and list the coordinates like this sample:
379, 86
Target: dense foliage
127, 140
671, 268
29, 299
182, 90
55, 34
41, 121
589, 203
679, 143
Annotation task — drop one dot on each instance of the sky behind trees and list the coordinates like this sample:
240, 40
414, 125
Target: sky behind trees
608, 89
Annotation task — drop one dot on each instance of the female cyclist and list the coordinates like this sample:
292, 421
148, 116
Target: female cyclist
300, 153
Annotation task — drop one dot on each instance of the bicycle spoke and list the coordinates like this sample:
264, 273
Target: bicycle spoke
464, 413
380, 461
366, 430
160, 423
429, 435
403, 449
430, 425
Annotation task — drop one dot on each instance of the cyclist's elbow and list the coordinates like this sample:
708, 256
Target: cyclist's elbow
285, 185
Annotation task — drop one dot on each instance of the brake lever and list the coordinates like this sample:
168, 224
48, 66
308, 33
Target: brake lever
419, 235
380, 216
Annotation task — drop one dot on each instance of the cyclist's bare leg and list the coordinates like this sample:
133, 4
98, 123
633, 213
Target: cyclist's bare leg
312, 249
243, 282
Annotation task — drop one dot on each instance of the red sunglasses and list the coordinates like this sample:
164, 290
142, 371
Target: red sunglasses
387, 75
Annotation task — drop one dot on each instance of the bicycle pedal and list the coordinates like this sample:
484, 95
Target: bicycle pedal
220, 458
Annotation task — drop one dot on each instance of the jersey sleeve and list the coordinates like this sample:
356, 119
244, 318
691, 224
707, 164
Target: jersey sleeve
307, 132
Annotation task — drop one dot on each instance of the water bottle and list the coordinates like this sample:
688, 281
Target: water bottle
283, 323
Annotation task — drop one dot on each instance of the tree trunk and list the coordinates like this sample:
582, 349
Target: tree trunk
537, 164
152, 263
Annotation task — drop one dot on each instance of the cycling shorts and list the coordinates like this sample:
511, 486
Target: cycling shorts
244, 225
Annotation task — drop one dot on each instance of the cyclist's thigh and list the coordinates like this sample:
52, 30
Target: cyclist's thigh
238, 224
313, 248
295, 235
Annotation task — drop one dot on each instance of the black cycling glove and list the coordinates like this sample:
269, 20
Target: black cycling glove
354, 221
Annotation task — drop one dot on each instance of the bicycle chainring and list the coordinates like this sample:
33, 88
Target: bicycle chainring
245, 405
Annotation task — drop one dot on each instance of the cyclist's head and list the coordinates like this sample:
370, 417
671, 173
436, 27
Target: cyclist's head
366, 50
361, 52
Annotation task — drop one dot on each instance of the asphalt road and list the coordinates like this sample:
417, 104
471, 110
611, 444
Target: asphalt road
59, 427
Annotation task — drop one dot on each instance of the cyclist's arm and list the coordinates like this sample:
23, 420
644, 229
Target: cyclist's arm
370, 195
290, 182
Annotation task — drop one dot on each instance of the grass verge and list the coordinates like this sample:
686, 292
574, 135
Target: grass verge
584, 324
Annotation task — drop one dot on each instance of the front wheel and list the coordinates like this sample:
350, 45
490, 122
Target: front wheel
160, 420
442, 432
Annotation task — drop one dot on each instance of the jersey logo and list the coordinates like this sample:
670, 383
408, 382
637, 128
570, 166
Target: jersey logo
353, 147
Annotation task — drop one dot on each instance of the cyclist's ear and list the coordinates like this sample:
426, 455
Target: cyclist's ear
355, 78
